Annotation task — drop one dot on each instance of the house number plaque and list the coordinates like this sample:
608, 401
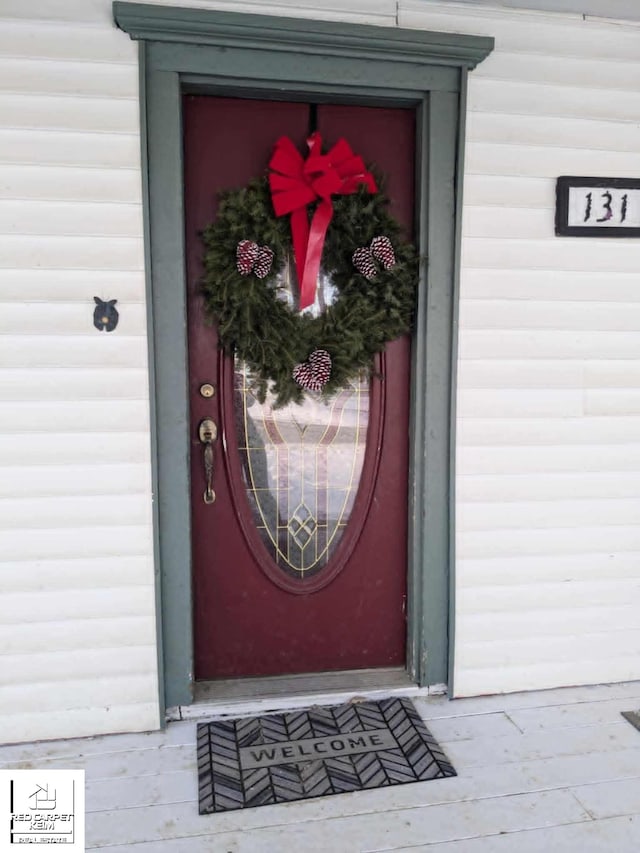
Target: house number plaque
598, 207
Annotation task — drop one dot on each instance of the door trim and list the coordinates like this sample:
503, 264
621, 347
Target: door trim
257, 56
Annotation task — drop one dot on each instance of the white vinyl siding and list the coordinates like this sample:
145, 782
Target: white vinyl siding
77, 612
548, 457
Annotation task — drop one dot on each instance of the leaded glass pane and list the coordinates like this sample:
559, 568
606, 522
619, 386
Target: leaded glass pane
302, 463
301, 468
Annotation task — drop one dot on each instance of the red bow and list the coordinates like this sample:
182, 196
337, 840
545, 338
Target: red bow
296, 182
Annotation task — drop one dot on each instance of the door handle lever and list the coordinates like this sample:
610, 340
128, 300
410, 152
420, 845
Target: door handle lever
207, 433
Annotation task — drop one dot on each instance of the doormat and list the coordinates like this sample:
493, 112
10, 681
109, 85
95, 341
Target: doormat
633, 717
279, 758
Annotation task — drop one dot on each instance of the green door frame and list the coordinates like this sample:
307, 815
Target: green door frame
192, 50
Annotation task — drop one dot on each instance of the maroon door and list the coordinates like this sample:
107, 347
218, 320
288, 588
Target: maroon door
300, 563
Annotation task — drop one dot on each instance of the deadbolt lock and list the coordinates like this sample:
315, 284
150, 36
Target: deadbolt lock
207, 390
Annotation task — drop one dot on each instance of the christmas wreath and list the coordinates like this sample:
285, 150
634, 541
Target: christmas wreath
340, 228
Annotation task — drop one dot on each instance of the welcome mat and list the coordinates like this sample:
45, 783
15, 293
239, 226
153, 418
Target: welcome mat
278, 758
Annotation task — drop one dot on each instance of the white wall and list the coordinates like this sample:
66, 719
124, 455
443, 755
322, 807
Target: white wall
548, 486
549, 385
77, 622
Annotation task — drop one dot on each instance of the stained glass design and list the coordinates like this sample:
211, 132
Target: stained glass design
302, 463
301, 469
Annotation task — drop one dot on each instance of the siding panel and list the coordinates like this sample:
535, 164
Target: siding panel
46, 147
556, 132
597, 648
97, 416
56, 252
549, 284
556, 432
69, 219
505, 403
94, 115
52, 666
530, 161
43, 697
550, 596
525, 344
509, 223
547, 514
520, 374
506, 191
73, 480
532, 541
605, 255
74, 319
70, 635
68, 78
550, 459
33, 607
36, 285
73, 542
523, 624
524, 487
48, 183
542, 99
532, 570
19, 450
33, 39
548, 674
590, 73
93, 718
77, 351
507, 314
103, 383
95, 571
70, 512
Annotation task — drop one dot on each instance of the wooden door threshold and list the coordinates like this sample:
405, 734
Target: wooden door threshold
246, 696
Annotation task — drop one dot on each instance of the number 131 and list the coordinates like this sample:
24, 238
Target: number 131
605, 208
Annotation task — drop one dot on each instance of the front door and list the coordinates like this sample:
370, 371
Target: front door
300, 562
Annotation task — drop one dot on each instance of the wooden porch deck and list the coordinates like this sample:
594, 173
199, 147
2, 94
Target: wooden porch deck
557, 770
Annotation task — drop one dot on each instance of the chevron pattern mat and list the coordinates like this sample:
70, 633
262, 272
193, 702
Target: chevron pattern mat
257, 761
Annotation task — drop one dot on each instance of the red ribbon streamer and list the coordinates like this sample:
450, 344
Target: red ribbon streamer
296, 182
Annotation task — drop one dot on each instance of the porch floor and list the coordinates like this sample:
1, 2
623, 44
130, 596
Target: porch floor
557, 770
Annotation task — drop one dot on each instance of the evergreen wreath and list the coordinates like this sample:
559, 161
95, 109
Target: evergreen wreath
289, 353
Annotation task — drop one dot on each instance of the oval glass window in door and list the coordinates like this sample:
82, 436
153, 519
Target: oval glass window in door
302, 464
